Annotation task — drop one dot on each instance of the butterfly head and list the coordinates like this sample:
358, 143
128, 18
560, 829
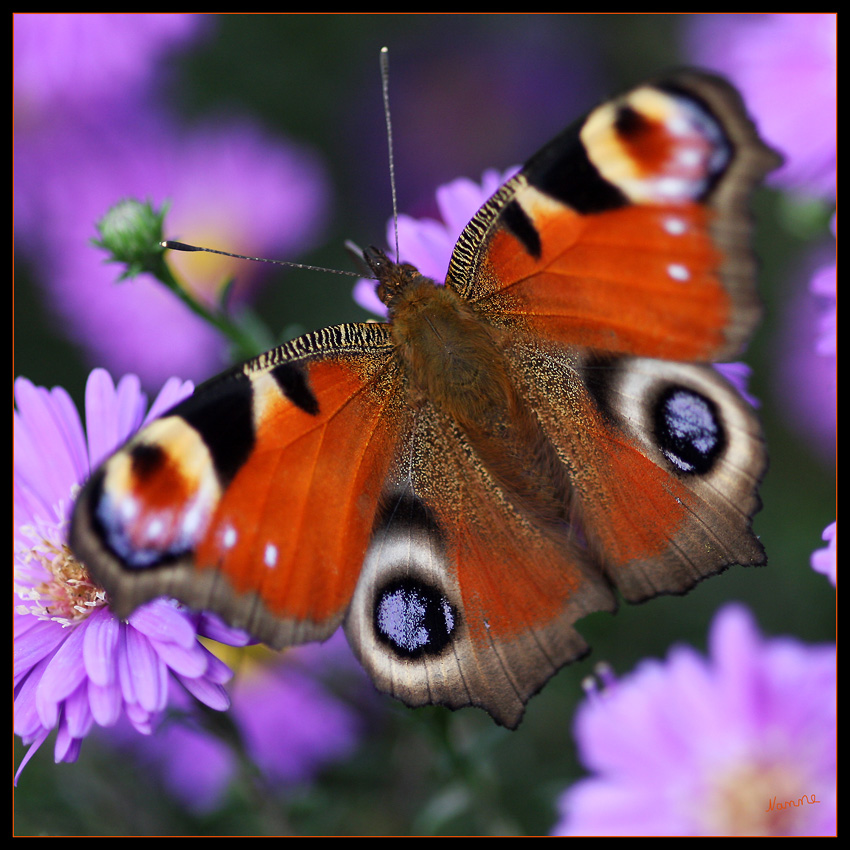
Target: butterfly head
393, 278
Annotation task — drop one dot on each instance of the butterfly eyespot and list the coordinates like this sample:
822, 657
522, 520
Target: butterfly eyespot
689, 430
413, 618
139, 546
147, 460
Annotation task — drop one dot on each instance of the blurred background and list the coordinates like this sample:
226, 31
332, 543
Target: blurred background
267, 135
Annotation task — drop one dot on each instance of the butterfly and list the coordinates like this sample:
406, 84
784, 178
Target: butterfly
459, 485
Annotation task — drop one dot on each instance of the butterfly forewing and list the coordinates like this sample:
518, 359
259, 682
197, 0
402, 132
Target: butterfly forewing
629, 233
254, 498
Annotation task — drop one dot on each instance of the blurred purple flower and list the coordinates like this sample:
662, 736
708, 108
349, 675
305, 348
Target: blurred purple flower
427, 243
826, 560
70, 68
718, 746
824, 285
291, 726
230, 186
291, 722
805, 376
67, 61
75, 663
785, 67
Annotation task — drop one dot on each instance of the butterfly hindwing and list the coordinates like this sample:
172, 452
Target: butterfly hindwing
665, 464
468, 596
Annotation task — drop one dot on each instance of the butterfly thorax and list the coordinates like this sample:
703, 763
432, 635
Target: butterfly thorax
454, 360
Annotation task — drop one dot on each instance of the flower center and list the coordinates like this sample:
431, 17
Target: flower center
51, 582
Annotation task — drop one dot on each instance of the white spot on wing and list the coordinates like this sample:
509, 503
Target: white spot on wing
674, 226
193, 520
270, 555
155, 529
678, 272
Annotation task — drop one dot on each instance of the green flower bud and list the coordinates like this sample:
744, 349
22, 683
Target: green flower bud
131, 232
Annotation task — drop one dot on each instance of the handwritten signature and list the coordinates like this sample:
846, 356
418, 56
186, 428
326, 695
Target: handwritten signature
773, 805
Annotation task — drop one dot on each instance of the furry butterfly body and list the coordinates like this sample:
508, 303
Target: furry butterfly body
460, 485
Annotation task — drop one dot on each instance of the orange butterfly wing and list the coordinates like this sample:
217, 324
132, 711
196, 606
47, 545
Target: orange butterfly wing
255, 497
627, 238
630, 232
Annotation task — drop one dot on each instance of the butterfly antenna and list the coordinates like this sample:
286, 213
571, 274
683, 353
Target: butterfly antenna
385, 90
182, 246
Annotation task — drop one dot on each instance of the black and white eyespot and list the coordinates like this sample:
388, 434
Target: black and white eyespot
688, 428
686, 417
405, 618
413, 618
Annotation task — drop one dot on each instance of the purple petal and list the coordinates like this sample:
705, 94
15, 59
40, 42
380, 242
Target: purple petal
77, 711
41, 640
105, 702
42, 427
149, 674
31, 752
67, 747
207, 692
211, 626
100, 647
187, 661
173, 391
63, 674
27, 721
164, 621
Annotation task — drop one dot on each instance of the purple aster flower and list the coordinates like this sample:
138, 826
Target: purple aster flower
76, 664
741, 743
826, 560
785, 66
427, 243
805, 378
70, 68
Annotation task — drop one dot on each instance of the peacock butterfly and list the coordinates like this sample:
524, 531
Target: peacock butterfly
460, 485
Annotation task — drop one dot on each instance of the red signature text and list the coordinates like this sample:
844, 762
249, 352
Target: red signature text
772, 805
